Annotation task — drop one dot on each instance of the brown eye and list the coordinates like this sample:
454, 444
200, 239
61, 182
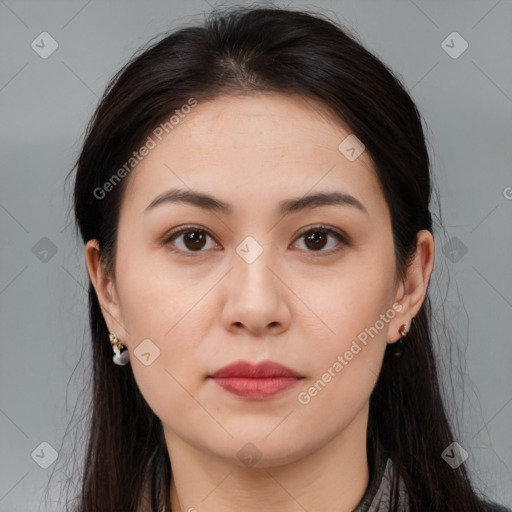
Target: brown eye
192, 240
316, 239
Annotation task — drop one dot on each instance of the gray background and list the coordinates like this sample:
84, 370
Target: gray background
466, 103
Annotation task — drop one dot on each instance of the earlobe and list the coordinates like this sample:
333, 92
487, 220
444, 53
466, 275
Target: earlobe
397, 333
105, 289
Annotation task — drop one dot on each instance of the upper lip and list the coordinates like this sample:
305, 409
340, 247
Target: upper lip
261, 370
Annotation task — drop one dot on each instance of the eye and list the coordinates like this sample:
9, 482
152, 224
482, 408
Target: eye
316, 238
194, 240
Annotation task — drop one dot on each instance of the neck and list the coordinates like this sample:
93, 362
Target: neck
332, 477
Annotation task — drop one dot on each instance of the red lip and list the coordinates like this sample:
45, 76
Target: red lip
258, 382
265, 369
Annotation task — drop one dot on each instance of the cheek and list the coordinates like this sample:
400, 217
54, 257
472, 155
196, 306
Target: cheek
344, 366
355, 309
156, 296
335, 399
161, 312
165, 364
354, 296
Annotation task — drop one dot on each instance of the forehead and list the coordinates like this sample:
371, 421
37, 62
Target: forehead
262, 144
265, 117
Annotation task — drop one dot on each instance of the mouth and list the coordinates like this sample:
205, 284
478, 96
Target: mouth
260, 381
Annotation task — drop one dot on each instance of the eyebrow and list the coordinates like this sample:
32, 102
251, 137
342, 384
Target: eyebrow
285, 207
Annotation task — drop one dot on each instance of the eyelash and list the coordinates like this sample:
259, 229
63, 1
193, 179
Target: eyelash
315, 229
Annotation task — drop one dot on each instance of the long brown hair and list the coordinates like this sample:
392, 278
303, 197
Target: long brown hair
244, 51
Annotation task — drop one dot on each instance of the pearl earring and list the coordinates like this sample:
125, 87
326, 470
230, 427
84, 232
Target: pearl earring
119, 358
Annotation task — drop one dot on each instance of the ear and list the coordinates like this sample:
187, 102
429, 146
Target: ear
412, 290
105, 290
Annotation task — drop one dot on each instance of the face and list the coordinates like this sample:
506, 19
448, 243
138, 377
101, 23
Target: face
270, 276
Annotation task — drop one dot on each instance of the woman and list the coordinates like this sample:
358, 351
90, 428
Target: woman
254, 199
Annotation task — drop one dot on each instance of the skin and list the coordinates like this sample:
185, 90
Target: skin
296, 305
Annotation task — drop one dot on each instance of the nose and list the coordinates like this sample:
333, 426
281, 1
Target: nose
257, 299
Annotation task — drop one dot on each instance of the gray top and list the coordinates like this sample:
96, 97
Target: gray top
378, 494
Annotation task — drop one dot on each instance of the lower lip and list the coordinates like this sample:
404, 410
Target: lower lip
256, 388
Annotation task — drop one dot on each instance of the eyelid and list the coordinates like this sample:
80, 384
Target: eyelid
339, 234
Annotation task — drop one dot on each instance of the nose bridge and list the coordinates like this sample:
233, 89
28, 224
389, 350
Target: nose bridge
255, 297
255, 293
252, 261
